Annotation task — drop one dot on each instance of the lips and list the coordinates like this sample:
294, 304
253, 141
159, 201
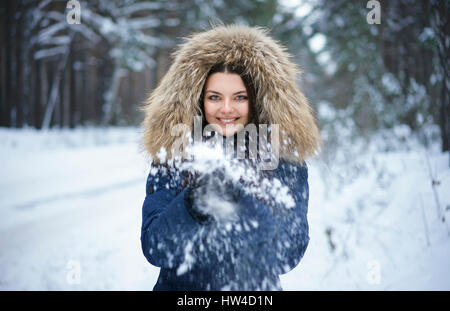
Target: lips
227, 120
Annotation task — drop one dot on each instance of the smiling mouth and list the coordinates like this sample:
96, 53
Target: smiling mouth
227, 121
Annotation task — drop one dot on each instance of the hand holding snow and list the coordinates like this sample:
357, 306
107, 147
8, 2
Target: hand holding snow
219, 182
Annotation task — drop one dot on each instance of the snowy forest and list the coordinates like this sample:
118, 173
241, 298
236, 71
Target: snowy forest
73, 75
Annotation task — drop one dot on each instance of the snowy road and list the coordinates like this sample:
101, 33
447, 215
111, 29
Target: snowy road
70, 217
99, 233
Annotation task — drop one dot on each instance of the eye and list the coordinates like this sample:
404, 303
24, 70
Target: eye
241, 97
213, 97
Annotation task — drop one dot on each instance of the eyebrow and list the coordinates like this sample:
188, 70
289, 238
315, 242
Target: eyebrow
215, 92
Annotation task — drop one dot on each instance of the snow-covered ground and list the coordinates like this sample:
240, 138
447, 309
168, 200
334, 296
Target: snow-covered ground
70, 216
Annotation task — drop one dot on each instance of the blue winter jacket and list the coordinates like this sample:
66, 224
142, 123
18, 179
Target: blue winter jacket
248, 253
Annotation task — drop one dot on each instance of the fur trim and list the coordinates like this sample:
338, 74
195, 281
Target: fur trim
278, 97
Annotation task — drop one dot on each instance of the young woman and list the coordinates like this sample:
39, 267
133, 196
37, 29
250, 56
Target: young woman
232, 76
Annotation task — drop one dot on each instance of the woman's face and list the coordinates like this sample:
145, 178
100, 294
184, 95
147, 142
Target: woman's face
226, 103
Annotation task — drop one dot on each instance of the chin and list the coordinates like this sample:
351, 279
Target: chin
224, 132
229, 133
229, 130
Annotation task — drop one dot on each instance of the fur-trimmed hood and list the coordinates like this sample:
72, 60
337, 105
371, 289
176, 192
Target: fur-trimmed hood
278, 98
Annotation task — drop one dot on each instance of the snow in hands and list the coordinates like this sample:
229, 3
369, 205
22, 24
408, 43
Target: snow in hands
233, 173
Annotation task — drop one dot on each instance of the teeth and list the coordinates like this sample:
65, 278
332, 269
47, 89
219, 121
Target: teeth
227, 120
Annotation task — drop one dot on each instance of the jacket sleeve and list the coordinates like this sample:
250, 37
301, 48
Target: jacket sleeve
166, 223
284, 234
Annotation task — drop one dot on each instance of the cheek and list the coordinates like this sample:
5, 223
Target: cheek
208, 110
244, 111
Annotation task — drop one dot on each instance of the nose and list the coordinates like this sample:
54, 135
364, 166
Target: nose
227, 106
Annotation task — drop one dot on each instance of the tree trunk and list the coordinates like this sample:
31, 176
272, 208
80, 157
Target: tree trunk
2, 61
441, 24
18, 89
37, 94
6, 108
73, 114
111, 100
54, 94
